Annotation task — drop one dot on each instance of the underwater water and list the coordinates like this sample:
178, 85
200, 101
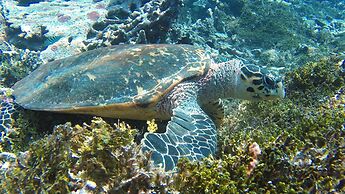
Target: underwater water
61, 56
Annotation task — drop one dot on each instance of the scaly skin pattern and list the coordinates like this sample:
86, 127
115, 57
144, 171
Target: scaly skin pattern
231, 79
181, 94
191, 133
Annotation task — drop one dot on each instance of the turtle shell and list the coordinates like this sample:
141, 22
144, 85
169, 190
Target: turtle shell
124, 81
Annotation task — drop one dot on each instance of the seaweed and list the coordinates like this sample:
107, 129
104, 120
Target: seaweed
74, 157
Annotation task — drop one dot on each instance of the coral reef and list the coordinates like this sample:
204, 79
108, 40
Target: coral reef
2, 25
259, 16
134, 22
63, 33
53, 27
254, 151
250, 30
14, 65
238, 28
316, 80
301, 138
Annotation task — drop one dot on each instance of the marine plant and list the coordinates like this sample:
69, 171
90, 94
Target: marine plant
75, 157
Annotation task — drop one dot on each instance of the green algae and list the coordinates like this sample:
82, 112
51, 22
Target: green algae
315, 80
72, 155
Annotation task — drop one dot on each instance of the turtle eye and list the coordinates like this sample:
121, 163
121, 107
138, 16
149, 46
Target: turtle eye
269, 82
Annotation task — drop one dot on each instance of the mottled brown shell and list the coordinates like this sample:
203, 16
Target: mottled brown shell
112, 81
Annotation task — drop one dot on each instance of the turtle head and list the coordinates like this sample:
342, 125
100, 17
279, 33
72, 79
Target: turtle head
258, 83
234, 79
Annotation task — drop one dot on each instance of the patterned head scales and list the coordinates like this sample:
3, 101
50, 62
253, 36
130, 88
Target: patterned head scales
260, 83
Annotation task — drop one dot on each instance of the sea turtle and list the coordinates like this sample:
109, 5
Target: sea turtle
179, 83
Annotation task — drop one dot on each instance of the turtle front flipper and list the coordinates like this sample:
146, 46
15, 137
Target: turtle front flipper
190, 133
215, 109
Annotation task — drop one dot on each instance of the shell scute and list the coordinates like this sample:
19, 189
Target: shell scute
124, 74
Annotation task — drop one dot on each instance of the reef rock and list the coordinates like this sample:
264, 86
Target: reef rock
57, 28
